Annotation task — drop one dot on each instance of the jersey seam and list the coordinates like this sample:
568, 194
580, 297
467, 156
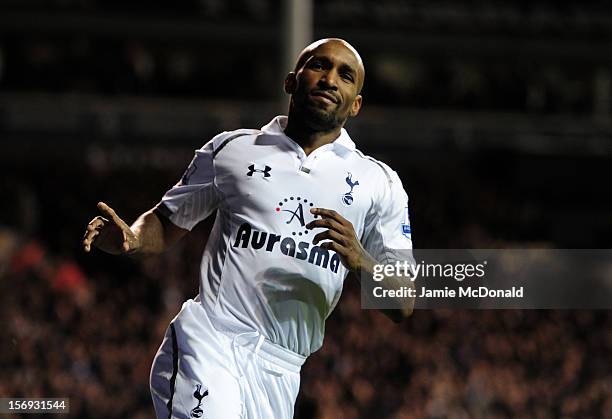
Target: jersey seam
230, 139
379, 164
225, 212
379, 206
379, 227
223, 265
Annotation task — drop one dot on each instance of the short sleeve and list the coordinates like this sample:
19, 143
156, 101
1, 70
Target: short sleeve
195, 196
387, 234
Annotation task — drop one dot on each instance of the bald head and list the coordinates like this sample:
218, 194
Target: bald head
311, 49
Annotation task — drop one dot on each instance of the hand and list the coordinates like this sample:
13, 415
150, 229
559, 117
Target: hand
111, 235
343, 238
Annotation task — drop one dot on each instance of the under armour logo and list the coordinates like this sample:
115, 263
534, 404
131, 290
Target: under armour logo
266, 170
197, 411
347, 198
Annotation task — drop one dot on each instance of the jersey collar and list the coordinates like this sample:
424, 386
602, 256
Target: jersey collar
342, 144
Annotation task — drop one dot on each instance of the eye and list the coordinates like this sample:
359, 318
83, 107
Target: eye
347, 76
316, 65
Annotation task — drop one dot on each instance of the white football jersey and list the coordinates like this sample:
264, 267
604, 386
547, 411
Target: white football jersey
260, 270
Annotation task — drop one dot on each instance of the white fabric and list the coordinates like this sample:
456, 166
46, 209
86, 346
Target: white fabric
260, 271
234, 376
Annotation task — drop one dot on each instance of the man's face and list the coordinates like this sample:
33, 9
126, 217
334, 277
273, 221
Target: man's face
325, 88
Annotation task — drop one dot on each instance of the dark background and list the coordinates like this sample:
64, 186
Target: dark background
495, 114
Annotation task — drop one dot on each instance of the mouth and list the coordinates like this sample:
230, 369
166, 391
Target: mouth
326, 96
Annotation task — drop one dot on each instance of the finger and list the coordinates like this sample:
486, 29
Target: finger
108, 211
90, 231
336, 247
90, 235
89, 238
329, 235
96, 223
327, 213
329, 223
126, 242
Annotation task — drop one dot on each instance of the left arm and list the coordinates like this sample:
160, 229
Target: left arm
343, 240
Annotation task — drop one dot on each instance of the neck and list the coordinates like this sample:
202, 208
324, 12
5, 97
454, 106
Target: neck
308, 138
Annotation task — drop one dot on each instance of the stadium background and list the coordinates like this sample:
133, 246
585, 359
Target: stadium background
496, 114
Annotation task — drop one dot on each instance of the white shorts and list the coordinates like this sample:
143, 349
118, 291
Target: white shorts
206, 371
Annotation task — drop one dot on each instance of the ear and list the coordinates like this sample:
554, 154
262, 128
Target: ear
290, 83
356, 106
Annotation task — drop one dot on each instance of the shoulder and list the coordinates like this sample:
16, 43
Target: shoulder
377, 168
205, 157
220, 141
388, 191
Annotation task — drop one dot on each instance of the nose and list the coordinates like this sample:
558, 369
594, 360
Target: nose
329, 80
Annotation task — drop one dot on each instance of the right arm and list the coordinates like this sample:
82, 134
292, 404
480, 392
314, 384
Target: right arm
151, 233
157, 233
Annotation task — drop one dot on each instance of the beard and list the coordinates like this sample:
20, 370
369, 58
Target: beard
322, 120
319, 119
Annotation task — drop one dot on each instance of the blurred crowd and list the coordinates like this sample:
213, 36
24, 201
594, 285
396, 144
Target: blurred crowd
91, 337
87, 326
